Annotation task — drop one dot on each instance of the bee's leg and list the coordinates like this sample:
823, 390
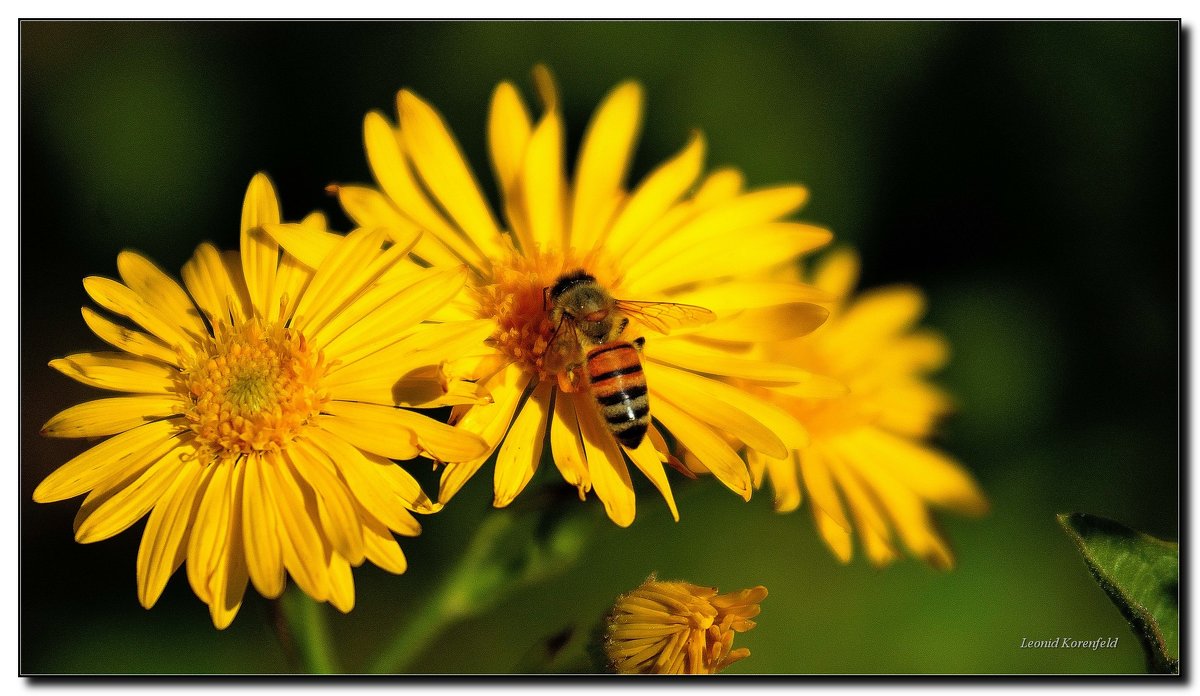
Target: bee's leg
621, 327
639, 343
568, 379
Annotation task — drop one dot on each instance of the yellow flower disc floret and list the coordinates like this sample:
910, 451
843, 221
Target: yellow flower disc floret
253, 388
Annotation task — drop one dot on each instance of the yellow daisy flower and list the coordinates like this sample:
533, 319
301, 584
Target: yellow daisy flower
679, 628
865, 435
259, 413
676, 237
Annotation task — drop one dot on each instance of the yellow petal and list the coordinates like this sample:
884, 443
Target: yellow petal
128, 340
911, 408
509, 128
907, 512
711, 255
694, 356
759, 424
874, 318
656, 194
478, 368
717, 224
785, 481
341, 583
412, 392
547, 90
303, 546
110, 416
118, 372
210, 531
709, 448
380, 327
385, 153
334, 502
880, 552
260, 525
444, 442
442, 168
648, 461
164, 542
757, 463
119, 299
373, 296
370, 208
835, 536
719, 186
522, 449
604, 158
380, 546
735, 295
566, 444
222, 296
291, 280
306, 242
341, 277
489, 421
128, 451
123, 507
451, 338
542, 187
161, 291
837, 272
368, 436
817, 479
862, 506
374, 377
374, 482
260, 253
606, 464
932, 475
353, 292
812, 386
228, 581
775, 323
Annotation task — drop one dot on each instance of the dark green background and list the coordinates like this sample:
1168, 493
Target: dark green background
1024, 174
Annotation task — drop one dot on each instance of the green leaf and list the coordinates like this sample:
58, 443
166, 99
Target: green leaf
1140, 574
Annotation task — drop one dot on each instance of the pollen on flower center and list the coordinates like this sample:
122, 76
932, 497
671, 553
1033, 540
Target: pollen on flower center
253, 387
516, 298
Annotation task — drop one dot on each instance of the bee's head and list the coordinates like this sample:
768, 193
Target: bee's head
570, 280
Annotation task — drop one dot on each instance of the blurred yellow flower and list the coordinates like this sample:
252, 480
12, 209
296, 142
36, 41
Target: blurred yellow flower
259, 412
865, 435
679, 628
676, 238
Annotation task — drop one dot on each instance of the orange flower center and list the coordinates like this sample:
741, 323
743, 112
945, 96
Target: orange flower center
517, 297
253, 388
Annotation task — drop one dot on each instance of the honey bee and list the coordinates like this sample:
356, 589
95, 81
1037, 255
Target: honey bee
594, 323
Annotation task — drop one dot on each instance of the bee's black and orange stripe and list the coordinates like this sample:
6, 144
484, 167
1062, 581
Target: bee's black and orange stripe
617, 383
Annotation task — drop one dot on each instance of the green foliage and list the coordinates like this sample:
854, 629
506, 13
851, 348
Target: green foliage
1141, 576
538, 537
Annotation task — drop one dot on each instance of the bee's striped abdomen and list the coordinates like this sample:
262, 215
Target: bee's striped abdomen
617, 383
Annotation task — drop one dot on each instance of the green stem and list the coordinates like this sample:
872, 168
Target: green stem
411, 641
304, 622
458, 596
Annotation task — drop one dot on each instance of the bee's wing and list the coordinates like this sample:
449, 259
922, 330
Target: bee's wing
563, 341
664, 316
